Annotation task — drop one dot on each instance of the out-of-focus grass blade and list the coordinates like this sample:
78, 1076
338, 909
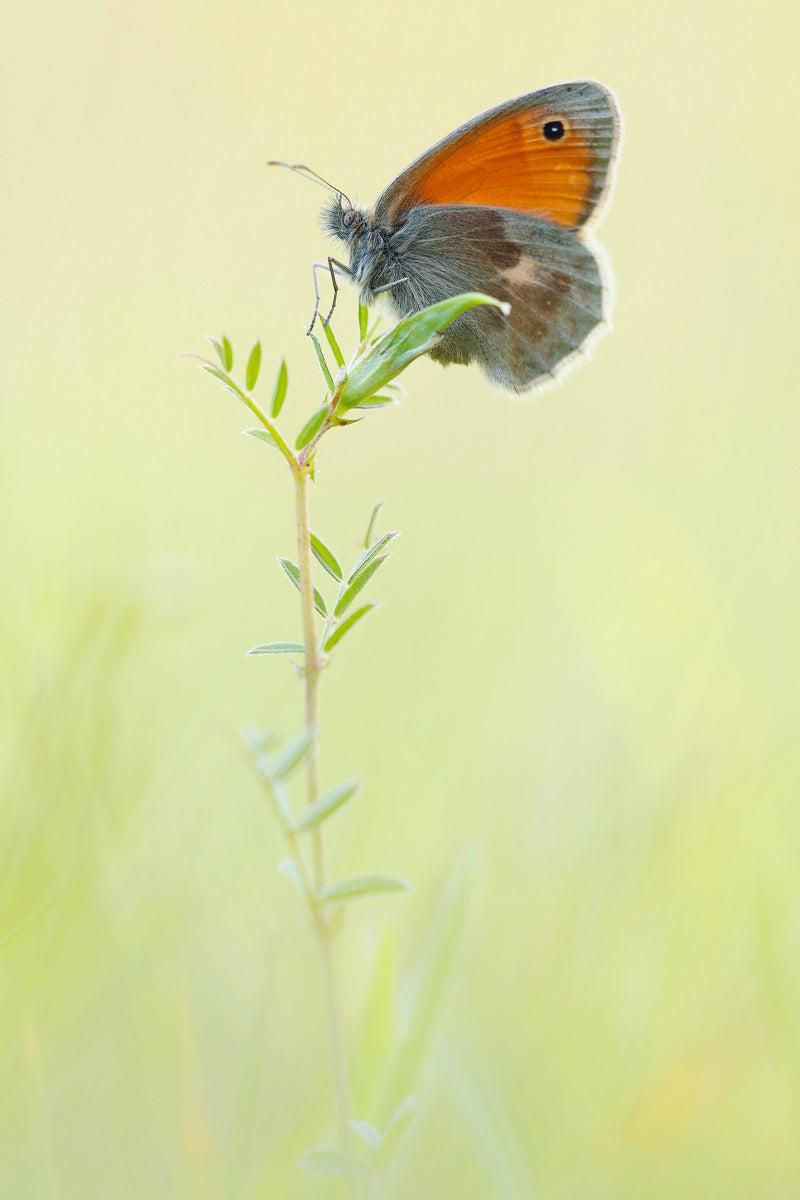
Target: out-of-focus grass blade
326, 558
347, 624
490, 1136
377, 1029
400, 1120
436, 970
359, 886
279, 393
253, 367
325, 807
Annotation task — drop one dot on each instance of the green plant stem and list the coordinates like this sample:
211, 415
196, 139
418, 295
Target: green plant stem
312, 665
321, 912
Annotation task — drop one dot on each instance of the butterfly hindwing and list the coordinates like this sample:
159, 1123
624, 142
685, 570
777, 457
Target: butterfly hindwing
558, 293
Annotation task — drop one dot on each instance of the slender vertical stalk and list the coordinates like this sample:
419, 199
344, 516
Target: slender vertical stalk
322, 922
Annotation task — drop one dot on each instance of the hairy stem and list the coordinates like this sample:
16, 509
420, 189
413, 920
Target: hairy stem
322, 916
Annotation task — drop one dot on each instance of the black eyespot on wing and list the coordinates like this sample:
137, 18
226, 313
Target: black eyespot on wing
553, 130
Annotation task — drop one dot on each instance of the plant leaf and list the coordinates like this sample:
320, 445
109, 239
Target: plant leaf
327, 805
218, 348
326, 558
347, 624
378, 401
323, 366
364, 885
367, 1131
227, 349
253, 367
363, 318
293, 571
373, 516
279, 648
334, 345
261, 435
292, 754
311, 427
290, 869
279, 394
370, 553
413, 336
361, 580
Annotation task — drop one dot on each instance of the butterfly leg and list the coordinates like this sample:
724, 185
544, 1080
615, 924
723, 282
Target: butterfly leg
387, 287
332, 265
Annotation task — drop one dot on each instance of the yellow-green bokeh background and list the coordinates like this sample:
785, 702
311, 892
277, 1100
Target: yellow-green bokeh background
585, 668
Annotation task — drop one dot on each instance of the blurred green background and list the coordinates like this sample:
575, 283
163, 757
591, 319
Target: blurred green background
585, 667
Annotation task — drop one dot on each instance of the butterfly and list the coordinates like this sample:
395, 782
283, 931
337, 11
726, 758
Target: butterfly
504, 205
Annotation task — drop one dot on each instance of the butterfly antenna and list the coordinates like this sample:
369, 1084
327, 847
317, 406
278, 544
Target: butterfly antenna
307, 173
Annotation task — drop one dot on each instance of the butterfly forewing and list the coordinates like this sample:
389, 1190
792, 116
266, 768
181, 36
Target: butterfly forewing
547, 154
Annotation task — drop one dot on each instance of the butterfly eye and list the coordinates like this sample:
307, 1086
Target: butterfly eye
349, 218
553, 130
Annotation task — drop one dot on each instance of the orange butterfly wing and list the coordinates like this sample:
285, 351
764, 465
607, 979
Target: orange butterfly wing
547, 154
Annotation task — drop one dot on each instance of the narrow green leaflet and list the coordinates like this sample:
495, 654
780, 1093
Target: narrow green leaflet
328, 804
327, 1160
373, 516
279, 648
378, 401
334, 345
326, 558
228, 383
323, 366
253, 367
218, 348
261, 435
290, 869
227, 349
370, 553
283, 803
361, 580
293, 571
311, 428
359, 886
292, 755
279, 394
363, 318
347, 624
413, 336
367, 1131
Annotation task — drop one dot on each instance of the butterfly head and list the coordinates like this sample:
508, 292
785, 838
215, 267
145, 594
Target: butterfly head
341, 220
